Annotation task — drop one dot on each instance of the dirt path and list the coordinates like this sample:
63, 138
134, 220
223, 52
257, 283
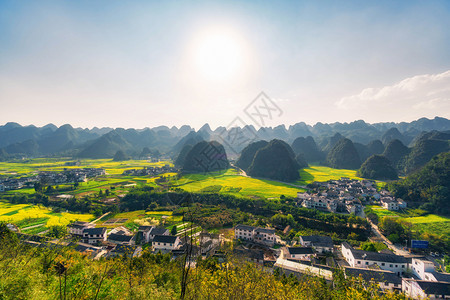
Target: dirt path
105, 214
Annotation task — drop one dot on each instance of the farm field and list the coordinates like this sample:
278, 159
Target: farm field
431, 223
321, 173
58, 164
25, 215
231, 183
134, 219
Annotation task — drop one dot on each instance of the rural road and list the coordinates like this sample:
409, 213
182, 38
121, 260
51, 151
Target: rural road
376, 231
99, 218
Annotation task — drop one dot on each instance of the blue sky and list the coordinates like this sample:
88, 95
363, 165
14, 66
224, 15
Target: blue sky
144, 63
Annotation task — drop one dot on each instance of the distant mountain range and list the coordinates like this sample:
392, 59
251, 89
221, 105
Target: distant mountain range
368, 139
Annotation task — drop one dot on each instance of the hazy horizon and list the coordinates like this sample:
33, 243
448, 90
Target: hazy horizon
148, 64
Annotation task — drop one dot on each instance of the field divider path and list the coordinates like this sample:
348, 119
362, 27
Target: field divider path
99, 218
34, 226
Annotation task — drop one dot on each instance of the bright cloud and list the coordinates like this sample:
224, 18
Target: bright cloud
427, 94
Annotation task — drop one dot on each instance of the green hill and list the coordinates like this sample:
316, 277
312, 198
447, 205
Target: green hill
248, 153
275, 161
423, 151
308, 148
206, 157
428, 188
343, 155
395, 151
378, 167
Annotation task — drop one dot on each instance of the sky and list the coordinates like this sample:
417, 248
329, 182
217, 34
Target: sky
137, 64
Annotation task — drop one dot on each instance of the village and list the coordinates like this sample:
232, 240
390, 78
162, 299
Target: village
150, 171
412, 274
50, 178
347, 196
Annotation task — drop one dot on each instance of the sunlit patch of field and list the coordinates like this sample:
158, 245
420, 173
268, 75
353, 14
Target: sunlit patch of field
134, 219
19, 213
20, 168
322, 174
230, 183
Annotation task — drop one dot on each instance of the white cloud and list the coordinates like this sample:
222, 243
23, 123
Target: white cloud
421, 95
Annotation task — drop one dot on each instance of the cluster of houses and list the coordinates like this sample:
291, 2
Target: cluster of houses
100, 241
50, 177
415, 276
151, 171
345, 195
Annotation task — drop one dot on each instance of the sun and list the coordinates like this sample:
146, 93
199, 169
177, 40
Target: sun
219, 55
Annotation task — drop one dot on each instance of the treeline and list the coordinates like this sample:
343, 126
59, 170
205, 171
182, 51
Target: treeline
233, 207
428, 188
57, 272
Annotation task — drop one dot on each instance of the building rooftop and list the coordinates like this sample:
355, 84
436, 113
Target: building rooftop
300, 250
434, 288
244, 227
165, 239
96, 231
318, 240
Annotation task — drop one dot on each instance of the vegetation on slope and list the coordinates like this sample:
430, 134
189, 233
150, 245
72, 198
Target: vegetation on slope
248, 153
344, 155
378, 167
275, 161
428, 188
206, 157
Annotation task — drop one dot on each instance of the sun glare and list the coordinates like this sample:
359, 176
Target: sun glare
220, 56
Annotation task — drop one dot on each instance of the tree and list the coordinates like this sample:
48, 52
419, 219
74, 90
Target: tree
173, 231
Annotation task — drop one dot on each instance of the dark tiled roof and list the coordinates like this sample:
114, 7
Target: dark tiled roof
145, 228
378, 276
300, 250
434, 288
375, 256
444, 277
265, 230
96, 231
245, 227
159, 231
164, 239
79, 224
120, 237
319, 240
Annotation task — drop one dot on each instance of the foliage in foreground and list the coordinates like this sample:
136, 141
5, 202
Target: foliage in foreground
56, 272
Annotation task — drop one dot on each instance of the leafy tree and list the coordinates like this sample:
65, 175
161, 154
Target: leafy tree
173, 231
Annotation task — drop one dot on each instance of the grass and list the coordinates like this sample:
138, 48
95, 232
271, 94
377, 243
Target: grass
23, 167
230, 183
321, 173
430, 223
24, 215
136, 218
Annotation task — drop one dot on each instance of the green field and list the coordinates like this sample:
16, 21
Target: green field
431, 224
25, 215
25, 167
134, 219
321, 174
230, 182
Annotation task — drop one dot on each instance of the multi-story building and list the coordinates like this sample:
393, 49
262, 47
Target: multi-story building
165, 243
320, 244
94, 235
76, 228
259, 235
364, 259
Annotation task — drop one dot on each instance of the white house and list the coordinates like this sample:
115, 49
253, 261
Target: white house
320, 244
76, 228
297, 253
165, 243
149, 232
401, 203
387, 280
94, 235
255, 234
420, 289
364, 259
389, 203
425, 270
2, 188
